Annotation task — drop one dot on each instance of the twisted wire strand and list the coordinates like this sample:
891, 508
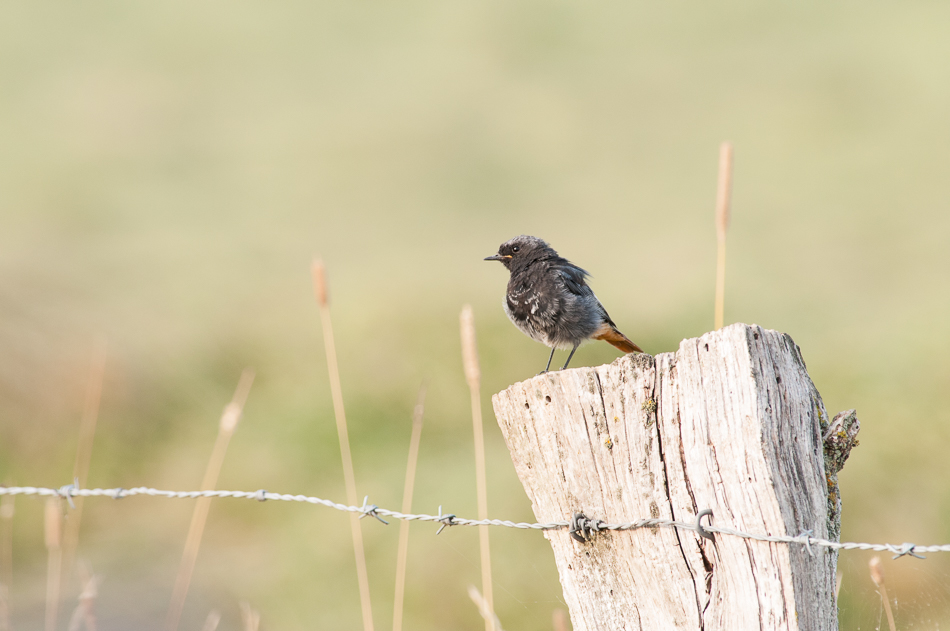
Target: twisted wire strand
805, 539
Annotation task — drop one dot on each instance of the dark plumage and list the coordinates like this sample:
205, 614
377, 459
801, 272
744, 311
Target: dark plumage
549, 300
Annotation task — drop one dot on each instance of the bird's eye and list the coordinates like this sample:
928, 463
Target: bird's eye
515, 249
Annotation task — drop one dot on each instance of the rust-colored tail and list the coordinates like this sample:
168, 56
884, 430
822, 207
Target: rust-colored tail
614, 337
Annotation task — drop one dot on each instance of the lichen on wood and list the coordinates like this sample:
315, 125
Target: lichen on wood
839, 437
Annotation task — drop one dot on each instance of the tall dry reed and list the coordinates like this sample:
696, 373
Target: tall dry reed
6, 558
484, 608
85, 613
250, 618
228, 423
403, 551
318, 272
53, 537
87, 432
473, 376
212, 621
723, 195
877, 575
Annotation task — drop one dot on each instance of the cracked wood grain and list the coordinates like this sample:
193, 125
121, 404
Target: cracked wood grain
731, 422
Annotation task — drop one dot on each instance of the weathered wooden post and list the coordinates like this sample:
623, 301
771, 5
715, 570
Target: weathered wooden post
730, 422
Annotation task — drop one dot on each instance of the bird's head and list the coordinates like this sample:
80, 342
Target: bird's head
520, 249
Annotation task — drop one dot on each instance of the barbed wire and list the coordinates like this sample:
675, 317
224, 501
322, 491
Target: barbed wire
580, 526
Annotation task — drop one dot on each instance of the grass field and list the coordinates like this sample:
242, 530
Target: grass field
168, 171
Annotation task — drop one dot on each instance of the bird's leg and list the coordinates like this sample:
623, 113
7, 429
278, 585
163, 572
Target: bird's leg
569, 356
548, 367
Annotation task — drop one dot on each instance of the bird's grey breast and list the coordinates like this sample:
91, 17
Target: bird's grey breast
533, 303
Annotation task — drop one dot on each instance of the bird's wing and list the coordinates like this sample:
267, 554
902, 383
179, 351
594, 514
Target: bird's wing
573, 278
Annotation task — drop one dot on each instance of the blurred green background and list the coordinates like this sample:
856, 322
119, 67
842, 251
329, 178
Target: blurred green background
168, 170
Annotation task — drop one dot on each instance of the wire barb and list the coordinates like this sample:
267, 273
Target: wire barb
703, 532
908, 549
66, 492
807, 535
370, 510
447, 520
582, 527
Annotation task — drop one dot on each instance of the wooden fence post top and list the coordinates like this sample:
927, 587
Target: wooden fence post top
729, 422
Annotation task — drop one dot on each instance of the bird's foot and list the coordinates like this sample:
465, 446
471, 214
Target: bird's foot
543, 372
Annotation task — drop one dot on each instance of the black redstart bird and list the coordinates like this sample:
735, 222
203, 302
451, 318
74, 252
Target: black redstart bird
549, 299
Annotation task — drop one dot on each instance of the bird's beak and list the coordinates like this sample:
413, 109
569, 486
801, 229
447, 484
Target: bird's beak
497, 257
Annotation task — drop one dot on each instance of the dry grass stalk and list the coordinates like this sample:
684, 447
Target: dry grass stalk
484, 608
723, 195
559, 620
403, 553
4, 608
6, 559
877, 575
212, 621
85, 612
473, 376
53, 536
227, 425
250, 618
318, 272
87, 432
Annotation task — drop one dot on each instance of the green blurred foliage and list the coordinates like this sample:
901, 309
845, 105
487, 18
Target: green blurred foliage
169, 169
